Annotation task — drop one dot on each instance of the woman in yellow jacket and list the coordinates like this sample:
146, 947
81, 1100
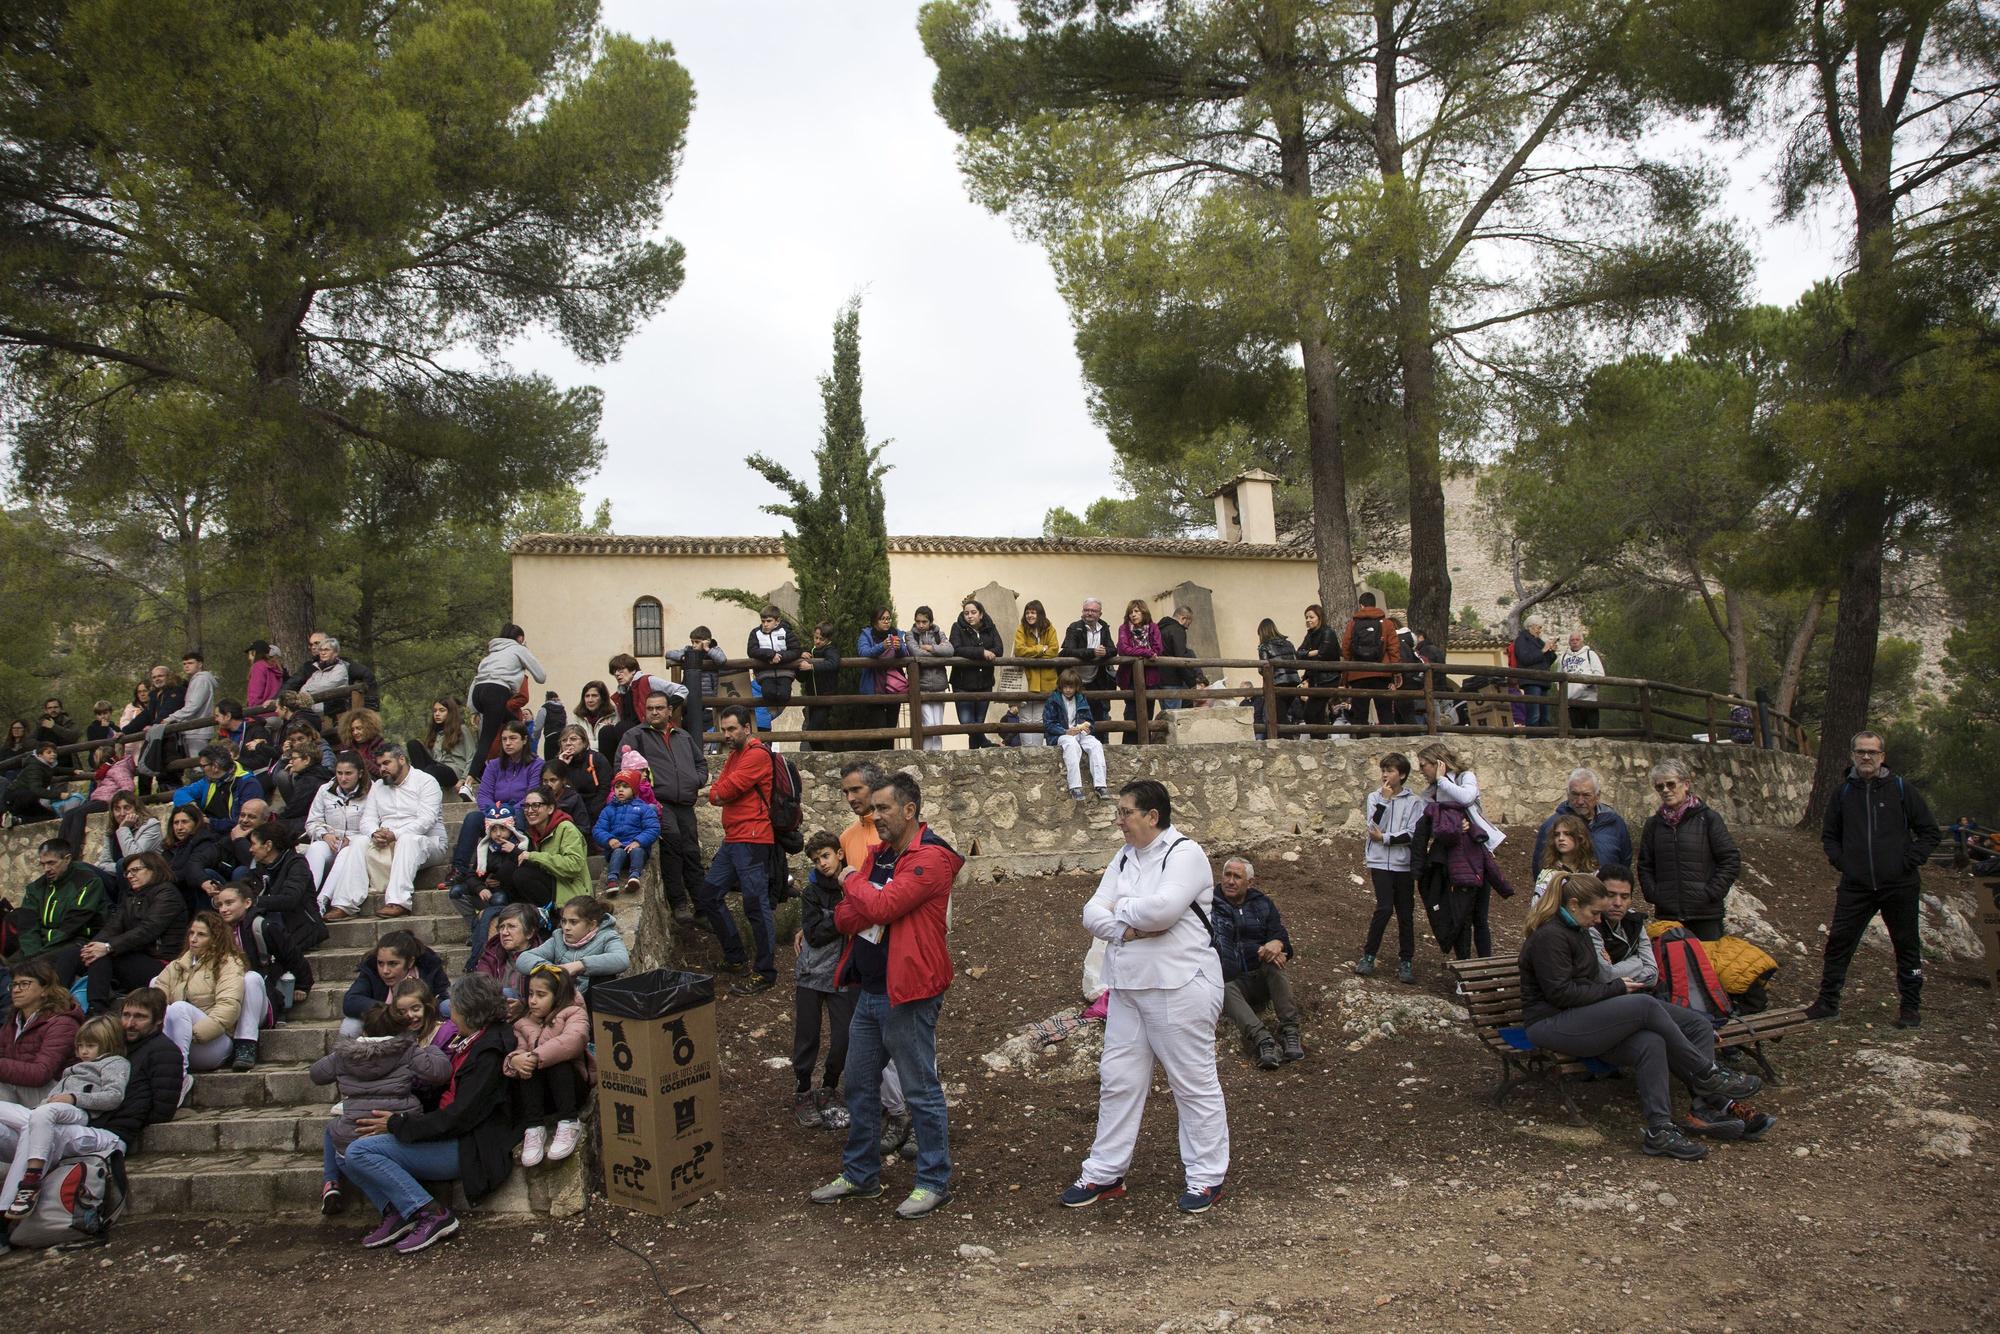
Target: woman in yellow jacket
214, 1002
1036, 638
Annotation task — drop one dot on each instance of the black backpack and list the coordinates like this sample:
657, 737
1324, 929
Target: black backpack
787, 812
1367, 639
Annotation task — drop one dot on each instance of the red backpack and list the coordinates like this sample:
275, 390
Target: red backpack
1686, 973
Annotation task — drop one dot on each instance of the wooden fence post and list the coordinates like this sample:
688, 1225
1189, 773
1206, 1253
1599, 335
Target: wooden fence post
916, 697
1708, 708
1562, 704
1271, 714
1646, 710
1139, 718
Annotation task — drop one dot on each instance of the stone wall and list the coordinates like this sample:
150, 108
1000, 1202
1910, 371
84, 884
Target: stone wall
1008, 811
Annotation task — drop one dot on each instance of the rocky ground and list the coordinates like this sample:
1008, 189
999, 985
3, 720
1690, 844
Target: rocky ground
1371, 1183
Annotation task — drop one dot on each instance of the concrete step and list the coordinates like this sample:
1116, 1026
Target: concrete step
260, 1182
292, 1042
270, 1084
237, 1130
336, 963
361, 933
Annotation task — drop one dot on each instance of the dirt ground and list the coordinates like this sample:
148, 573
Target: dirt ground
1370, 1183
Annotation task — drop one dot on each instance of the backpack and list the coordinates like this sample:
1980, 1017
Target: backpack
79, 1200
783, 805
1281, 647
1687, 977
1367, 645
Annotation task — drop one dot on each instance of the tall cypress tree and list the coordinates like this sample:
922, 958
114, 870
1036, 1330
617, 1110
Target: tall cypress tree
838, 544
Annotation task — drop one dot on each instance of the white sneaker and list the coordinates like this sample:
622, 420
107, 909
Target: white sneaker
533, 1145
564, 1143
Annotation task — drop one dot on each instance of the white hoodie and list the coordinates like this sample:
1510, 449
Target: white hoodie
505, 663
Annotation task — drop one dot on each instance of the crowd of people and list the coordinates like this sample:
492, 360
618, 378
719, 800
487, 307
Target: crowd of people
176, 946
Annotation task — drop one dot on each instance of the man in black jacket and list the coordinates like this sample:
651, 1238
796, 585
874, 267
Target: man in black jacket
158, 1083
1878, 832
679, 772
1091, 641
1174, 644
1255, 949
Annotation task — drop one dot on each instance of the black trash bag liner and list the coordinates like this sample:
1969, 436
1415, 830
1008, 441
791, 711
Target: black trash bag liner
653, 995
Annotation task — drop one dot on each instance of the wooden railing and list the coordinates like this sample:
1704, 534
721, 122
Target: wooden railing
1644, 710
139, 736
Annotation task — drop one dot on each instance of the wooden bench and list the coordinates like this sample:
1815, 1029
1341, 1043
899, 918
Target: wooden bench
1493, 999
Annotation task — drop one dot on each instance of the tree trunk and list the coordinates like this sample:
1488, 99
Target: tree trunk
1802, 642
1329, 478
1739, 643
1851, 669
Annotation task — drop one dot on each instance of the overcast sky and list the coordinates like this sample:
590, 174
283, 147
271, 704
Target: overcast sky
816, 169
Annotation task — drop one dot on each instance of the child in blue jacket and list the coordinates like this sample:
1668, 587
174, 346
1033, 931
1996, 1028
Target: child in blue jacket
626, 829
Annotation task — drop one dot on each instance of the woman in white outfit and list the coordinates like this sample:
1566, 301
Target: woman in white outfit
1152, 911
335, 819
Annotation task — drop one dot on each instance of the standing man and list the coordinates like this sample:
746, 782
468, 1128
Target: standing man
895, 915
1371, 638
1581, 660
1878, 833
858, 782
1531, 652
1174, 644
1152, 908
1610, 837
402, 831
679, 772
1093, 643
743, 862
197, 703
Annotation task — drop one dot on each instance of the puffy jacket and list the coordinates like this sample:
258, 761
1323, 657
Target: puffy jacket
1055, 717
1739, 964
819, 959
150, 921
378, 1075
561, 852
743, 790
39, 1052
915, 905
777, 650
1241, 929
504, 784
336, 812
565, 1037
602, 955
1320, 643
217, 993
1278, 650
505, 663
152, 1094
869, 645
1532, 652
930, 643
1559, 971
631, 821
1686, 869
1625, 950
479, 1117
1878, 833
969, 641
220, 802
367, 990
57, 913
1038, 645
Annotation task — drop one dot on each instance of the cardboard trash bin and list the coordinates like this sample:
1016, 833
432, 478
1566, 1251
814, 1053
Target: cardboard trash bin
658, 1089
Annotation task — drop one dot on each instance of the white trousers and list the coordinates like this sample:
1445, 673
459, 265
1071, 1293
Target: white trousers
362, 867
319, 858
933, 717
1074, 748
1177, 1028
47, 1135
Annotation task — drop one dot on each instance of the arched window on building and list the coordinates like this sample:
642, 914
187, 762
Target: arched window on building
647, 640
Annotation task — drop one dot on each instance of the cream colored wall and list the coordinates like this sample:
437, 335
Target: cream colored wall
577, 610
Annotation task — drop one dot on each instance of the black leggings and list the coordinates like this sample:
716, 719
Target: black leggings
489, 701
808, 1005
421, 759
552, 1093
1395, 893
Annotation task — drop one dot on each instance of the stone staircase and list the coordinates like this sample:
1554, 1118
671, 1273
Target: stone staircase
250, 1143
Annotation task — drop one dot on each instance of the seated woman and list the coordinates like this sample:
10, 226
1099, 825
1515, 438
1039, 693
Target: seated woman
146, 930
514, 929
502, 784
197, 855
587, 947
396, 956
586, 771
269, 953
60, 1126
1569, 1008
551, 1059
335, 817
361, 732
37, 1033
378, 1070
445, 753
298, 778
213, 1000
469, 1138
129, 831
283, 884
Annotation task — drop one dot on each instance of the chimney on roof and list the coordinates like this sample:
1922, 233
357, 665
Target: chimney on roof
1246, 509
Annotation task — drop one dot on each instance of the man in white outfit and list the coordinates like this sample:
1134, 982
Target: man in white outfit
402, 831
1152, 909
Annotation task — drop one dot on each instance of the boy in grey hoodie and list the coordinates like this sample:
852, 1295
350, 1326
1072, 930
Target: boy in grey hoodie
60, 1126
819, 945
1393, 811
494, 682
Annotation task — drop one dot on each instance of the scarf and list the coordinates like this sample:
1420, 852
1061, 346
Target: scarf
1673, 815
461, 1047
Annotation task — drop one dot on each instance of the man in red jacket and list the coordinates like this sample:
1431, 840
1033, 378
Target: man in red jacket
894, 915
743, 790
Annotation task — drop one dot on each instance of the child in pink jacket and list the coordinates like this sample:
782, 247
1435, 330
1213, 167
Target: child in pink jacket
551, 1058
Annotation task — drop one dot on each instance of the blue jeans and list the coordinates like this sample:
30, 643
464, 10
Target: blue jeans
389, 1171
1537, 714
906, 1034
622, 864
330, 1158
741, 866
974, 711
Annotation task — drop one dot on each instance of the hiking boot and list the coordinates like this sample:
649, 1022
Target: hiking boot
1194, 1201
895, 1129
1289, 1043
245, 1054
921, 1201
1719, 1082
1364, 966
1755, 1123
753, 985
1669, 1142
393, 1227
1086, 1192
534, 1146
1823, 1009
1076, 794
805, 1112
563, 1143
735, 969
683, 913
332, 1199
1104, 794
832, 1111
909, 1150
1268, 1055
840, 1188
1713, 1124
1406, 972
433, 1224
1909, 1017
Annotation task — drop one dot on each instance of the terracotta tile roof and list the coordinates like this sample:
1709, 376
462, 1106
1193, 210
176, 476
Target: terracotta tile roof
612, 544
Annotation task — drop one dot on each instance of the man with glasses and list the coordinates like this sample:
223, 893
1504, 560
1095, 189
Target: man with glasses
1878, 833
1093, 644
679, 772
1610, 838
325, 664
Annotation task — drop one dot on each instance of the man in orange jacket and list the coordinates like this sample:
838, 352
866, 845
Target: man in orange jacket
743, 862
894, 913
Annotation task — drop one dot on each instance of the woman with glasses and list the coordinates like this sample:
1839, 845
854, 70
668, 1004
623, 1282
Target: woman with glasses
1687, 860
